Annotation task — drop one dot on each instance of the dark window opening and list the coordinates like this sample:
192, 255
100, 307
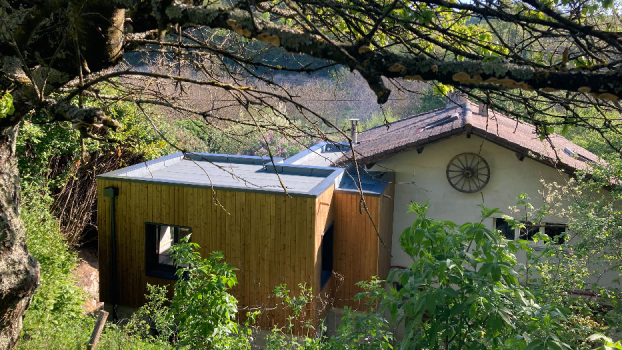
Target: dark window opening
556, 232
326, 249
529, 231
506, 229
159, 240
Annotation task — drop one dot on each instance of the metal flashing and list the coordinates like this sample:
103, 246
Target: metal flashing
229, 158
373, 182
327, 182
278, 191
316, 151
302, 154
170, 158
177, 170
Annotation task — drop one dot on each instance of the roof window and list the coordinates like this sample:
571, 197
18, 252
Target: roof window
440, 122
576, 155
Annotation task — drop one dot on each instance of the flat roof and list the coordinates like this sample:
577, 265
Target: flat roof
372, 182
231, 172
323, 154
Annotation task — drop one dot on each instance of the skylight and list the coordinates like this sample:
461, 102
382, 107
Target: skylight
576, 155
440, 122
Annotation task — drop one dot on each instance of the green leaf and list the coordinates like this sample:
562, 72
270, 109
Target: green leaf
565, 130
6, 105
495, 272
430, 303
536, 344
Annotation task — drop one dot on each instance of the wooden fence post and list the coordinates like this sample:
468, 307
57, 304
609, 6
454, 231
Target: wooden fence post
97, 331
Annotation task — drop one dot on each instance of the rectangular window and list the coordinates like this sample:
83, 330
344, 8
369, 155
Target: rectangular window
529, 231
158, 242
506, 230
326, 249
557, 232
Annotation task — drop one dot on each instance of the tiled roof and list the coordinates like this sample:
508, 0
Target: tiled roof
461, 117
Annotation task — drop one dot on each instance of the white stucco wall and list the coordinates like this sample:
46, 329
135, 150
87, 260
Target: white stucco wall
421, 178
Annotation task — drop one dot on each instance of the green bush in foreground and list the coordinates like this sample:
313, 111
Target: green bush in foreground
54, 319
56, 308
460, 293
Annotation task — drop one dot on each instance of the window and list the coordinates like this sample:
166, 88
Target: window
529, 231
506, 230
557, 232
159, 240
326, 249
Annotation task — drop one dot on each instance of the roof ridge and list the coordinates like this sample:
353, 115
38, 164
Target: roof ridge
499, 114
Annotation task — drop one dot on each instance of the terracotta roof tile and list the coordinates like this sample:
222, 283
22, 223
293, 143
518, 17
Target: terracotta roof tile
411, 133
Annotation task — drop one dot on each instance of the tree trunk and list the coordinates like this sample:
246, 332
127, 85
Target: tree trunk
19, 271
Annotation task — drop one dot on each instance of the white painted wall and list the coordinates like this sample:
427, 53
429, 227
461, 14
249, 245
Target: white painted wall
421, 178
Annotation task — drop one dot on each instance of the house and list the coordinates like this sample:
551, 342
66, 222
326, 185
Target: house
237, 205
302, 220
463, 155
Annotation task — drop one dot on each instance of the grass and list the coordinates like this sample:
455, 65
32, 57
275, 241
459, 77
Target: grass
55, 319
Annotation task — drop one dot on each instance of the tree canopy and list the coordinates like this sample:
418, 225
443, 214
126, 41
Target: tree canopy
552, 58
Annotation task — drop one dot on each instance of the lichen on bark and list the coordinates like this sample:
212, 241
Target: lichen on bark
19, 271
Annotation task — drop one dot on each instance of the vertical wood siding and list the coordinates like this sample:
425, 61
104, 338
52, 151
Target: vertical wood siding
325, 217
271, 239
356, 245
358, 252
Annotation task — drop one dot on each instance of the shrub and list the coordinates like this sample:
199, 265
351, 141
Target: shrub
201, 312
57, 303
462, 291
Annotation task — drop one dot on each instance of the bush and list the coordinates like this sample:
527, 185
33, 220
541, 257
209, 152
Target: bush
55, 318
58, 300
201, 312
462, 291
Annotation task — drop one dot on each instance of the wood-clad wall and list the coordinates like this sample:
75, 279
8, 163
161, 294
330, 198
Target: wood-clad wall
271, 239
325, 214
359, 255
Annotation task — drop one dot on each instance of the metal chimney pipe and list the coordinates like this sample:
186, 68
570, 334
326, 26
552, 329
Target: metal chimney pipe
354, 129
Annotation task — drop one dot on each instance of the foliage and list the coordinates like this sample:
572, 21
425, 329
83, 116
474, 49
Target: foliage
6, 105
56, 308
462, 291
284, 338
201, 312
608, 344
592, 249
57, 294
203, 309
367, 329
246, 140
49, 153
55, 319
